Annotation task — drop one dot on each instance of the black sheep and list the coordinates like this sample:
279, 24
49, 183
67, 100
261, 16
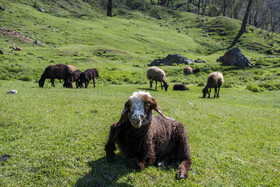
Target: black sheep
181, 87
74, 77
86, 76
58, 71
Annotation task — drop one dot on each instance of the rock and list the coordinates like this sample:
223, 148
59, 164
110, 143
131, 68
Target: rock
41, 9
170, 60
12, 92
4, 157
2, 8
37, 42
234, 57
199, 61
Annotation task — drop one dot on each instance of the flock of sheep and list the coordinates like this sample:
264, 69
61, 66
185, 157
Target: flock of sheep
70, 74
215, 80
144, 139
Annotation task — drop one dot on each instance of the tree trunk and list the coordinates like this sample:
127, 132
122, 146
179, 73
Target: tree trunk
243, 26
109, 8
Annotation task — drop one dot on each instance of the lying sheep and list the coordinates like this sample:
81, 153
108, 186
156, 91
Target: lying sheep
17, 48
181, 87
86, 76
215, 80
197, 70
157, 74
58, 71
188, 70
146, 139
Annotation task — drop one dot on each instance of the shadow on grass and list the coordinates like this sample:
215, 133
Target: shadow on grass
104, 173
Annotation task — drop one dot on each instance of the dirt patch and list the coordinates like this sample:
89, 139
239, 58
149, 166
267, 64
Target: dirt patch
14, 34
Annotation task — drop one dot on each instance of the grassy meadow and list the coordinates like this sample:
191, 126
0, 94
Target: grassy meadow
56, 136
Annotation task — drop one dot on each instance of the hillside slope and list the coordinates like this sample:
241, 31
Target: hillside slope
79, 33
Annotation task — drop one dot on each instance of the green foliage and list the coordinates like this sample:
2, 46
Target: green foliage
254, 88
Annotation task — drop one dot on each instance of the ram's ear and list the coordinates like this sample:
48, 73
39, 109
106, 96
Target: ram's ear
155, 107
124, 113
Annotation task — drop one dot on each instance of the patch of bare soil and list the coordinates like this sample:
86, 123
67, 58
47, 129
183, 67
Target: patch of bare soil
14, 34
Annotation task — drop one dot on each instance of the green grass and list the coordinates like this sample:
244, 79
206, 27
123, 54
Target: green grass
56, 136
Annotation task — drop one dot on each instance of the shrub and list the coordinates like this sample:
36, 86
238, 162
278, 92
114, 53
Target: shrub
25, 78
271, 86
254, 88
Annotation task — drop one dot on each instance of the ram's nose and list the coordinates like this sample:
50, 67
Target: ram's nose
135, 120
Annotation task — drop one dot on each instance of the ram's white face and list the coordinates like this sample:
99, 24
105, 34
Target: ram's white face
137, 114
139, 108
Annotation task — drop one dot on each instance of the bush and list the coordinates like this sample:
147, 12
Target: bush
271, 86
254, 88
25, 78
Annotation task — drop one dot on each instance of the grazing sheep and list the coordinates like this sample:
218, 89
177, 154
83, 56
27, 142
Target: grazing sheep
197, 70
146, 139
17, 48
215, 80
181, 87
86, 76
157, 74
188, 70
74, 76
58, 71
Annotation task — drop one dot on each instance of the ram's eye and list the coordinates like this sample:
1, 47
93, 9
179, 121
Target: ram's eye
147, 105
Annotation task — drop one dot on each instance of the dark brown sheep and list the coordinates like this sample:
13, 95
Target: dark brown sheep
146, 139
215, 80
180, 87
86, 76
197, 70
73, 77
58, 71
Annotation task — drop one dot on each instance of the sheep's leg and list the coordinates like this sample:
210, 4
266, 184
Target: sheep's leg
161, 85
215, 94
218, 92
151, 83
183, 154
148, 157
156, 85
93, 82
86, 84
52, 81
209, 93
65, 83
110, 146
77, 84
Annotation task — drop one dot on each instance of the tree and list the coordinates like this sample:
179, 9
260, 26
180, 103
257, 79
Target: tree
109, 8
243, 26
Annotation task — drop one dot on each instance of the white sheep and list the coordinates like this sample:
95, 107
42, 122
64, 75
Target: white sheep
215, 80
157, 74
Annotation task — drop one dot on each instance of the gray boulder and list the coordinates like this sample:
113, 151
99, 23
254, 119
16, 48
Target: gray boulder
234, 57
12, 92
41, 9
170, 60
2, 8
